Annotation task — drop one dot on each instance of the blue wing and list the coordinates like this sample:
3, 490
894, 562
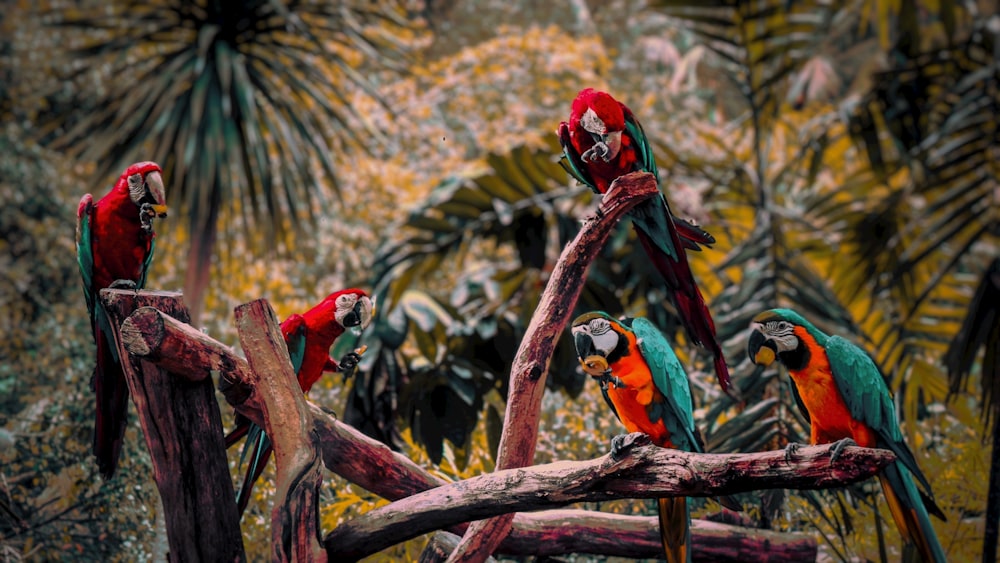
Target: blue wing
671, 379
868, 398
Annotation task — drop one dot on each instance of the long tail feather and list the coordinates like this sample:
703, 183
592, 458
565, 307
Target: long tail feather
111, 391
675, 529
908, 511
238, 432
260, 444
690, 304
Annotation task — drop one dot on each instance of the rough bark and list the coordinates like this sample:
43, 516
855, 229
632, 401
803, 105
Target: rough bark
374, 466
643, 470
531, 363
183, 430
288, 423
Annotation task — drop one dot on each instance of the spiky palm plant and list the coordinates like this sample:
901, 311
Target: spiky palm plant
246, 105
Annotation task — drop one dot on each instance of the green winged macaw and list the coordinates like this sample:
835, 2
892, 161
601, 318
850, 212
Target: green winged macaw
603, 140
843, 394
308, 337
114, 248
647, 388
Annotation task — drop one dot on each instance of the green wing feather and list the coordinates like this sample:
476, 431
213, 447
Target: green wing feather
297, 347
571, 160
85, 251
868, 398
141, 282
671, 379
643, 150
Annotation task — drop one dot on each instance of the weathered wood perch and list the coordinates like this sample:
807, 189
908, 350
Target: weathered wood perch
287, 422
642, 471
372, 465
183, 430
531, 363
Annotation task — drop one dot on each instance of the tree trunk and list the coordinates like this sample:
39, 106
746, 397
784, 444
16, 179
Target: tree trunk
183, 429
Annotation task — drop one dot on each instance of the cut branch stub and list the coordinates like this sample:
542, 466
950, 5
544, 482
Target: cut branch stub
295, 525
520, 429
642, 471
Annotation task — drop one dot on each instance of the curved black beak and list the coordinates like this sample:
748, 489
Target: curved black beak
761, 350
584, 345
353, 317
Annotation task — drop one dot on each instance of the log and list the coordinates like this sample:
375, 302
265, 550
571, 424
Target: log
288, 423
641, 470
183, 430
531, 363
374, 466
440, 547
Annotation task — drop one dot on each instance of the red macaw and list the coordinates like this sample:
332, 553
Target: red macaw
114, 247
603, 140
846, 400
647, 388
309, 337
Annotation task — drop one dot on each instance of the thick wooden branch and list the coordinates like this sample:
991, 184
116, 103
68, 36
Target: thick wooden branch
531, 363
288, 423
644, 471
374, 466
183, 430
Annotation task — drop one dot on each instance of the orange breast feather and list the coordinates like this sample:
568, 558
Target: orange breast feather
638, 393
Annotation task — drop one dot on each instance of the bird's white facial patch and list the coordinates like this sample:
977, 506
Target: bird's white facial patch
592, 123
781, 332
599, 330
136, 188
345, 304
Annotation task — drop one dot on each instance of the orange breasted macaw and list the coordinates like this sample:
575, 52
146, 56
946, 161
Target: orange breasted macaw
308, 337
647, 388
846, 400
114, 248
603, 140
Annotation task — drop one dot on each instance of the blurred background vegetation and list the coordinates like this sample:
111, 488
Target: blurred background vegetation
844, 154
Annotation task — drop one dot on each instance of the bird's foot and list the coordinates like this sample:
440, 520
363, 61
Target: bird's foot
790, 450
622, 443
146, 215
599, 150
328, 411
349, 363
607, 379
838, 448
124, 284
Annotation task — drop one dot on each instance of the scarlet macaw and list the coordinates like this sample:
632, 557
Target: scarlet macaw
114, 247
602, 141
647, 388
308, 337
846, 400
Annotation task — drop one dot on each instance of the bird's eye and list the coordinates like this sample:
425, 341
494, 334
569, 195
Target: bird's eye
345, 300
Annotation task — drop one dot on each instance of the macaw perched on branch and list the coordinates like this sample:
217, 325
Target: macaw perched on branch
603, 140
114, 247
647, 388
309, 337
844, 396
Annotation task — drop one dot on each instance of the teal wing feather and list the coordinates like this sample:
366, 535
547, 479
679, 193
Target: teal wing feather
671, 379
141, 282
296, 341
85, 250
571, 161
643, 149
868, 398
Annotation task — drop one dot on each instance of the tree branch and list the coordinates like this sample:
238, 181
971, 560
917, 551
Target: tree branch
183, 430
531, 363
374, 466
295, 516
645, 471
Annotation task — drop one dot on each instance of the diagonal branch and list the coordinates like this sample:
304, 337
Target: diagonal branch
642, 471
531, 363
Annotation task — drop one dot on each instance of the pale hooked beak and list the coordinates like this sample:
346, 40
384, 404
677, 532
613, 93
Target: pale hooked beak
154, 183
